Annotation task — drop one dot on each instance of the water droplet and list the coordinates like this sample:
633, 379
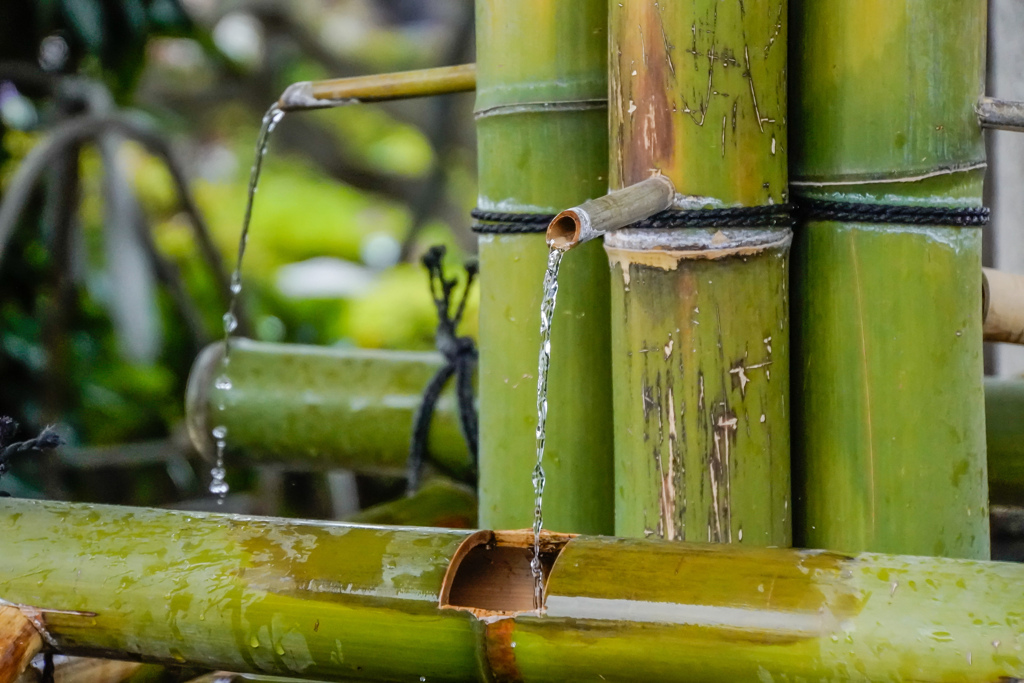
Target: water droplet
220, 432
223, 382
230, 322
219, 487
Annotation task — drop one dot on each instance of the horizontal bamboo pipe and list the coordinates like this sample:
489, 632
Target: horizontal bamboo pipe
328, 601
378, 87
614, 210
1004, 425
1001, 114
1003, 297
323, 408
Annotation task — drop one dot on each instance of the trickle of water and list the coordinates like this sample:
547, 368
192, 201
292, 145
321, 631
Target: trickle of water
547, 310
273, 117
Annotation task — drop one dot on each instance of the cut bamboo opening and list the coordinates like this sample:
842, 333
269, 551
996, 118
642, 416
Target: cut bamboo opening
490, 574
378, 87
1003, 306
615, 210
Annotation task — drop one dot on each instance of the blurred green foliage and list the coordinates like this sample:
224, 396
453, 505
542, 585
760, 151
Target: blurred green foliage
300, 213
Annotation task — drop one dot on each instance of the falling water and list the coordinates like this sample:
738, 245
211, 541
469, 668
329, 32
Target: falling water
218, 485
547, 309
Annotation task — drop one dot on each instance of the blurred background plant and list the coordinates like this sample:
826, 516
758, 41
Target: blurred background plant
126, 136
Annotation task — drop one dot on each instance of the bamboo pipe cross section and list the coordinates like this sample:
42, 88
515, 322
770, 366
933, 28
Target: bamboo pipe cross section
379, 87
490, 575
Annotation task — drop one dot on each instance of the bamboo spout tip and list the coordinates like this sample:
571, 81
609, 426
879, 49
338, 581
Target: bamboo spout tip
566, 230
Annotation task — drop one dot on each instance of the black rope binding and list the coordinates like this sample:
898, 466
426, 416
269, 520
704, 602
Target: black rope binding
855, 212
460, 356
48, 439
768, 216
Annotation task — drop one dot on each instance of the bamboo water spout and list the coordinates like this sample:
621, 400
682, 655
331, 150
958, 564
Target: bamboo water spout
614, 210
378, 87
1001, 114
332, 601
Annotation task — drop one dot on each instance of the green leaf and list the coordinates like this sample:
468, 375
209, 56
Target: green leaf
86, 18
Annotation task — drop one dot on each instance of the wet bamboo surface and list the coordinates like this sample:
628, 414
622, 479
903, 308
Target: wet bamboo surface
889, 431
542, 137
700, 330
331, 601
315, 407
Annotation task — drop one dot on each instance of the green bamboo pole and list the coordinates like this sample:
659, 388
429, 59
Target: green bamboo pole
1004, 426
700, 338
889, 428
331, 601
541, 131
315, 407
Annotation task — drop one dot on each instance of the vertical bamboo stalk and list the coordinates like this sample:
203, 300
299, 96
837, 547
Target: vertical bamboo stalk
889, 425
700, 355
541, 129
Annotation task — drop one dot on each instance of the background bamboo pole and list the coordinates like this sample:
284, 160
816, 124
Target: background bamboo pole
700, 337
889, 432
1004, 426
315, 407
332, 601
541, 130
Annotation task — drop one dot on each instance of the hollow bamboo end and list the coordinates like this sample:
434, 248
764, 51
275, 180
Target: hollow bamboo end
566, 230
490, 575
197, 398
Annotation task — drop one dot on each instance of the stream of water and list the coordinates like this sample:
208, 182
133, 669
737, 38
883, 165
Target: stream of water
218, 484
547, 310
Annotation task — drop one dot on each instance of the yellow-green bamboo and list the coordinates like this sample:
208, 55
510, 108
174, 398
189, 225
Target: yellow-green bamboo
541, 130
889, 431
330, 601
700, 336
379, 87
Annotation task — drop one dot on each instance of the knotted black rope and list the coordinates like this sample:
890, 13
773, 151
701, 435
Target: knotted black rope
48, 439
856, 212
768, 216
460, 360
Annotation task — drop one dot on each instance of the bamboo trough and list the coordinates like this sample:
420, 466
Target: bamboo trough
330, 601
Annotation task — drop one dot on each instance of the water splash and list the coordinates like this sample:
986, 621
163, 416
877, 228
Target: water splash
218, 485
547, 310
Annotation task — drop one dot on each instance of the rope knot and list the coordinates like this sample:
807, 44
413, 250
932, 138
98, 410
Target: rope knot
460, 360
